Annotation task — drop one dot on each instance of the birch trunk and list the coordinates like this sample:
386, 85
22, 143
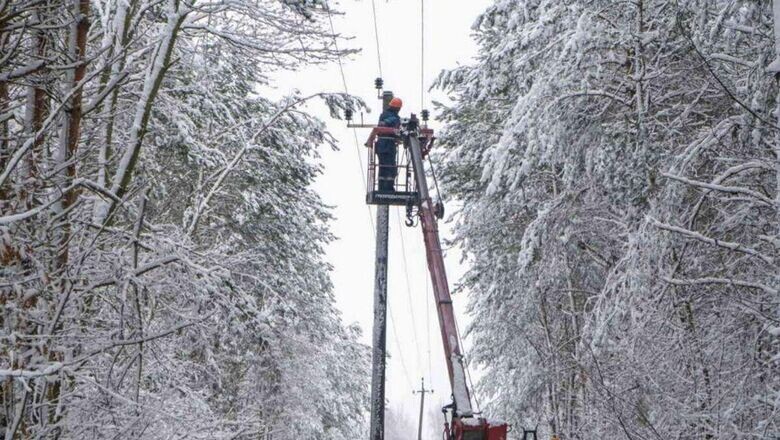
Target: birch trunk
67, 149
119, 41
4, 142
160, 61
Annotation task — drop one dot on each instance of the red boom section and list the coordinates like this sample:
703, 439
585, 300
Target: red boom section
464, 425
441, 289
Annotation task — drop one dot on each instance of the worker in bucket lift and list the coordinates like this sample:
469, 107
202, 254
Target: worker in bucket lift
386, 146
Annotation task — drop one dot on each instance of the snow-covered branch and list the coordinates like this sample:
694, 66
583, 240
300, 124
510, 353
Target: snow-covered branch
725, 189
704, 239
724, 281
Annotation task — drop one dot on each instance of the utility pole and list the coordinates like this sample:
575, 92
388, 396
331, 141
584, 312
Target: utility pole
422, 391
379, 358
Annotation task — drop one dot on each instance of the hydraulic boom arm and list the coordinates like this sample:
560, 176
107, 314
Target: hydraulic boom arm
465, 424
441, 290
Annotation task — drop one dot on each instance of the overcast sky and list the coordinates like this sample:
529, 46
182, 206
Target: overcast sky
413, 327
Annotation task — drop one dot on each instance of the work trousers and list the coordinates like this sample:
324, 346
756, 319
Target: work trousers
386, 152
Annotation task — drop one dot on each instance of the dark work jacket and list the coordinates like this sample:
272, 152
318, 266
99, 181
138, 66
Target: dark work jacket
388, 118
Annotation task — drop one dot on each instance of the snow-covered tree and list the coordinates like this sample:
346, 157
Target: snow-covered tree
163, 270
617, 168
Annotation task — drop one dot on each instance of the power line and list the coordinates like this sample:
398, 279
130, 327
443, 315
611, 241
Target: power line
428, 322
398, 346
422, 54
409, 293
376, 37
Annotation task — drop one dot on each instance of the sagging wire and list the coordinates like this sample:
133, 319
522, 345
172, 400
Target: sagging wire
422, 54
409, 292
376, 37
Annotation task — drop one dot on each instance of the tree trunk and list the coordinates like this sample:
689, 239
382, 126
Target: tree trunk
4, 143
120, 39
35, 113
68, 146
160, 61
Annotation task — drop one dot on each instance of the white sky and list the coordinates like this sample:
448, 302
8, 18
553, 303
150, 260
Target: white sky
413, 327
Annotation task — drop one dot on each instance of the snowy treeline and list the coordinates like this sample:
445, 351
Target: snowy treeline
161, 253
618, 164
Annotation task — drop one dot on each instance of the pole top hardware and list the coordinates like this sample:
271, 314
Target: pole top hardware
413, 123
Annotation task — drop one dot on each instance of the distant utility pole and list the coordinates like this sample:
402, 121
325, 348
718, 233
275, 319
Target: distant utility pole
422, 392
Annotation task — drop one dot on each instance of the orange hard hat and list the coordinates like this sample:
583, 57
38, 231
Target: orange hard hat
396, 103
